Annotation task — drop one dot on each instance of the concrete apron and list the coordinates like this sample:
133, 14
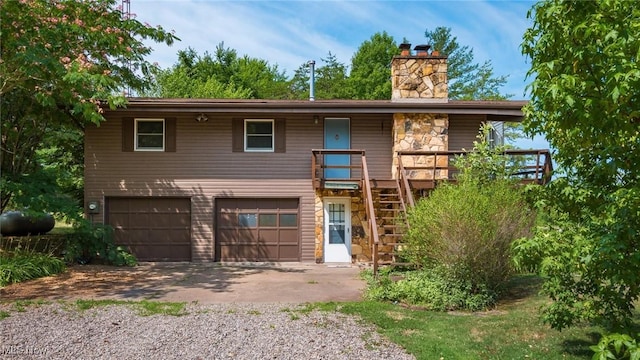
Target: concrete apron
245, 283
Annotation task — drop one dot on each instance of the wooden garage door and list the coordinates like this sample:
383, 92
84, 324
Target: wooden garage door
257, 230
154, 229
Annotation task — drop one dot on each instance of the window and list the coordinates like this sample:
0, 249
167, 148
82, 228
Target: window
149, 134
258, 135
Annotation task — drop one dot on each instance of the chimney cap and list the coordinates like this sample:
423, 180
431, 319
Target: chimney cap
422, 47
405, 46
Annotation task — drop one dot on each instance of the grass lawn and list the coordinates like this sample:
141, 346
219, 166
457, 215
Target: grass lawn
512, 331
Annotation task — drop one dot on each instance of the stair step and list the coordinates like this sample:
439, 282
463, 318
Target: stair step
389, 202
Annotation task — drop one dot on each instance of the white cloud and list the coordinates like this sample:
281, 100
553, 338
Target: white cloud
289, 33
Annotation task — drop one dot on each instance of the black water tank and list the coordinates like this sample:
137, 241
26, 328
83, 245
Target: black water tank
15, 223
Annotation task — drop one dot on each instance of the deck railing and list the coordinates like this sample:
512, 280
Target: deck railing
321, 168
428, 167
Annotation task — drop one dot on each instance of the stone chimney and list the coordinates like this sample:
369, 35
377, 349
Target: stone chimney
419, 77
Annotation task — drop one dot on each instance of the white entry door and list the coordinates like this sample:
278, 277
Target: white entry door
337, 230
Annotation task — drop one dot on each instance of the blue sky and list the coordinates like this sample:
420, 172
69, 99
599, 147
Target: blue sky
290, 33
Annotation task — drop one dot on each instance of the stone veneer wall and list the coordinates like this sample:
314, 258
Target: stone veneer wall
359, 241
416, 77
420, 132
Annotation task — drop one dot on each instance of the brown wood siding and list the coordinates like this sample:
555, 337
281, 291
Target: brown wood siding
204, 167
463, 131
374, 135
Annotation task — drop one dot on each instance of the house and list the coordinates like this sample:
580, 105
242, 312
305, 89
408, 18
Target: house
270, 180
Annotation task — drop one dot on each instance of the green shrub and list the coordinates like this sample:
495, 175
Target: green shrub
434, 289
464, 232
89, 242
17, 266
469, 229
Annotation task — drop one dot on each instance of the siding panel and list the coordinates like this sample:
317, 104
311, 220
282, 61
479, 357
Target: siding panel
205, 167
463, 130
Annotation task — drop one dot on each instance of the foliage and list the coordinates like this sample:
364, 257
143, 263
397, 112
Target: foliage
512, 331
21, 265
369, 77
60, 63
616, 346
469, 227
90, 241
330, 80
467, 80
585, 99
435, 288
221, 75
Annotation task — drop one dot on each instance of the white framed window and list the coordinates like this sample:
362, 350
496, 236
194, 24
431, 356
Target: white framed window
259, 135
149, 134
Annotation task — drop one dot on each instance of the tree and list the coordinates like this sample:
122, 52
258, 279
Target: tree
370, 74
585, 98
330, 80
467, 80
61, 61
223, 75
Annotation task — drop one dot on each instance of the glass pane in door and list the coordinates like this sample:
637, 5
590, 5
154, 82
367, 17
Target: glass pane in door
336, 224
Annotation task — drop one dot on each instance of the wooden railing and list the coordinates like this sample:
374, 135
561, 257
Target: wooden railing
372, 223
529, 166
319, 167
405, 188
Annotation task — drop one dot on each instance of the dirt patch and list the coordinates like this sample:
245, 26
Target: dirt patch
80, 281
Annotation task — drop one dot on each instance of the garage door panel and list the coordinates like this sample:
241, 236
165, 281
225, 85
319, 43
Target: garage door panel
138, 205
288, 204
139, 220
155, 229
257, 230
119, 220
247, 235
227, 236
288, 236
161, 253
227, 219
269, 236
289, 253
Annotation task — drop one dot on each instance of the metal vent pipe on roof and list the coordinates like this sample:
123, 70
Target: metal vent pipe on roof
312, 80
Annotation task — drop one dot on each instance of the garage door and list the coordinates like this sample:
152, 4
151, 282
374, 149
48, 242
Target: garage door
257, 230
154, 229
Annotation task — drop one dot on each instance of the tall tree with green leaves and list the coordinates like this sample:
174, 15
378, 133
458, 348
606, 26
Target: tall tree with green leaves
370, 68
468, 80
222, 75
585, 98
330, 80
61, 62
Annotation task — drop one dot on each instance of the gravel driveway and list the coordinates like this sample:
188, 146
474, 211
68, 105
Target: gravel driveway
233, 312
213, 331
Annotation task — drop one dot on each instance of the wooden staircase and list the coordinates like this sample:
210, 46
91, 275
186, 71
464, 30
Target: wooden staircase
391, 220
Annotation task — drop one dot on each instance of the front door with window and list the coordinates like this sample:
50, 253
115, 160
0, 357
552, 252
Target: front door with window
337, 230
337, 137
